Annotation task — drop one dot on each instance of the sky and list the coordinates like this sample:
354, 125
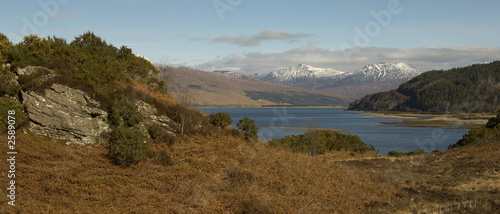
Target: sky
261, 36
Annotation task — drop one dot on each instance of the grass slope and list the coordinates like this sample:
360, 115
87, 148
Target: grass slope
224, 174
212, 174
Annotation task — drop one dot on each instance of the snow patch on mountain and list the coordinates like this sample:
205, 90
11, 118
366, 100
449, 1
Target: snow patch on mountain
298, 72
229, 73
369, 73
383, 72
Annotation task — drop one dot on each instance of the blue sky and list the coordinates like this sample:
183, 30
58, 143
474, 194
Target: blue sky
257, 36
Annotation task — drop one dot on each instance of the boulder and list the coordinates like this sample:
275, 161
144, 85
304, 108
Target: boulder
66, 114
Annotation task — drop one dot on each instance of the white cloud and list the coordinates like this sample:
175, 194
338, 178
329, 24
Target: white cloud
353, 59
257, 39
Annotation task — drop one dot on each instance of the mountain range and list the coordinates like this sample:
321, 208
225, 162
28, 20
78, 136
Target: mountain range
367, 80
301, 85
232, 89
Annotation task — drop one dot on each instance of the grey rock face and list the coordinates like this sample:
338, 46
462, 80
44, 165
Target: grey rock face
26, 70
148, 113
66, 114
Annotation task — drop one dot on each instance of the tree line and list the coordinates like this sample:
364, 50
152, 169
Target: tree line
471, 89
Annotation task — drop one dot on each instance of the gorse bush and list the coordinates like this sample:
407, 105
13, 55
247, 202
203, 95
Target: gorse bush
8, 85
5, 48
128, 145
20, 117
124, 112
414, 152
221, 119
249, 129
88, 63
37, 81
318, 142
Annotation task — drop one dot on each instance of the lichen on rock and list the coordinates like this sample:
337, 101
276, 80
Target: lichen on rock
66, 114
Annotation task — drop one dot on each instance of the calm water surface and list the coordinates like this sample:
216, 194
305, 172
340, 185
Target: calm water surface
384, 138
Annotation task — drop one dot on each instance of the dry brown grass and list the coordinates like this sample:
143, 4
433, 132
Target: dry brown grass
219, 173
211, 174
439, 179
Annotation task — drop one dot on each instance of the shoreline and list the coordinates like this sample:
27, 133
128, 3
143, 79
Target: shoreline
243, 107
304, 128
429, 120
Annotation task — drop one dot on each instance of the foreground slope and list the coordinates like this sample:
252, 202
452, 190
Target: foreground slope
474, 88
207, 174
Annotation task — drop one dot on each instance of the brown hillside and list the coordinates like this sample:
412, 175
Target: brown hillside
218, 90
224, 174
213, 174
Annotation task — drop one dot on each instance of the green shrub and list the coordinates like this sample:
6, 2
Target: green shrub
5, 48
128, 146
249, 129
20, 117
221, 119
36, 81
414, 152
394, 154
8, 85
318, 142
124, 112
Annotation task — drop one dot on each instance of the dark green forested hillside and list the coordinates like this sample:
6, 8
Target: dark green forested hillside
475, 88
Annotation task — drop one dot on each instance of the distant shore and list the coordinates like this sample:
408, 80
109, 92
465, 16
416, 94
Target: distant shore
305, 128
432, 120
271, 106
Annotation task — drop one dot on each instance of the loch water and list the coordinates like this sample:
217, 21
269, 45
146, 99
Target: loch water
370, 129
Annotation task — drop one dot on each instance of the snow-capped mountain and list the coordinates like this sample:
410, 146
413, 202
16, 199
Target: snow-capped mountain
299, 72
369, 79
383, 72
229, 73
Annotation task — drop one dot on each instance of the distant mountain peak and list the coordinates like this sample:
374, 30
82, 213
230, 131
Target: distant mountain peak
300, 71
229, 73
370, 78
385, 71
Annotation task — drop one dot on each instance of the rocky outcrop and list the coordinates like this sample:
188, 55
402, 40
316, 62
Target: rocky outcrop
148, 113
66, 114
28, 70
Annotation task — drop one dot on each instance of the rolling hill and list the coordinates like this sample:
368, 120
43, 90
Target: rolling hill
230, 89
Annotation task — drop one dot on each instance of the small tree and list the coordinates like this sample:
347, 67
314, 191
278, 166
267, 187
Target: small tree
221, 119
249, 129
